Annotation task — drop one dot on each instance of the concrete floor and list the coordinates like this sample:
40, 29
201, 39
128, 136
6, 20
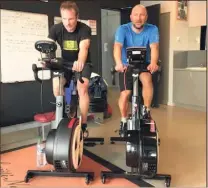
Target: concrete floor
182, 152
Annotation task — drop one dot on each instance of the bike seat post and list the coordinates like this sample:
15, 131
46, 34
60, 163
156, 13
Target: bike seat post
135, 105
59, 101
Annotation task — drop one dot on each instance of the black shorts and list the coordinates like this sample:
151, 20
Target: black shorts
126, 79
86, 73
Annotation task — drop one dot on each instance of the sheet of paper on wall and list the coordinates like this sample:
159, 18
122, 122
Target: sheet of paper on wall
18, 51
93, 26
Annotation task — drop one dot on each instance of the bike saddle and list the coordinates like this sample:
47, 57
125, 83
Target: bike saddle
45, 46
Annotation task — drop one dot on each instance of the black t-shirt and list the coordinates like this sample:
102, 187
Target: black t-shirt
69, 41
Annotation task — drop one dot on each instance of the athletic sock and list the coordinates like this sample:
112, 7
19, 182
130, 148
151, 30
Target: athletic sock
148, 109
123, 119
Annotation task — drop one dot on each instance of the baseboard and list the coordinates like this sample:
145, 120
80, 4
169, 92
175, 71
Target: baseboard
20, 144
191, 107
171, 104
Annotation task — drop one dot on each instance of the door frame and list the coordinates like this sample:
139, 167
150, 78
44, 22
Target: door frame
101, 37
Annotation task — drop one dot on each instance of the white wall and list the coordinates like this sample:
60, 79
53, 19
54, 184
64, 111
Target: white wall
182, 36
197, 13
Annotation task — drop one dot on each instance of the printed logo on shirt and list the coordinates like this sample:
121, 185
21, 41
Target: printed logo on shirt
70, 45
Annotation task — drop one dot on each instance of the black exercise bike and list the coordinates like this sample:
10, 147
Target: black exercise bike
65, 141
142, 141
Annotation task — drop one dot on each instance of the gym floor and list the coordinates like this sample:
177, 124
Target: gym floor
182, 152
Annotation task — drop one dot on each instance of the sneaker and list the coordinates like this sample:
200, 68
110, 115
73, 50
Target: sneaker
123, 129
146, 114
84, 130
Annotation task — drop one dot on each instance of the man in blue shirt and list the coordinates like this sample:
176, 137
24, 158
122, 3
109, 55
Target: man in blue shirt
137, 33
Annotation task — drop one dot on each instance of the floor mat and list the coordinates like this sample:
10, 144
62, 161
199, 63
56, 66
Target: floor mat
14, 166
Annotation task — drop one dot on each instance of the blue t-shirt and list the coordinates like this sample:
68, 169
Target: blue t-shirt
128, 38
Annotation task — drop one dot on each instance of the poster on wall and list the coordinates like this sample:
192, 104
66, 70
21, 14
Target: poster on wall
93, 26
19, 33
182, 10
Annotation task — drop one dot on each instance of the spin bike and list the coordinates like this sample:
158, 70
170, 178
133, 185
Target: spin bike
142, 141
65, 141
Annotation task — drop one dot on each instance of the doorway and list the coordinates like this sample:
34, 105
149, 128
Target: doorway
110, 21
164, 56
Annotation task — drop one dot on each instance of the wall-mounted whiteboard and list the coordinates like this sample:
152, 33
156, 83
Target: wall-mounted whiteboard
19, 32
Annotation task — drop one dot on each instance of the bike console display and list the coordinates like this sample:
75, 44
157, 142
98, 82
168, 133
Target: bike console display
136, 56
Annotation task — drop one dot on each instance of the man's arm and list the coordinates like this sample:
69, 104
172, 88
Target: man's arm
154, 53
117, 53
154, 46
118, 44
83, 50
84, 44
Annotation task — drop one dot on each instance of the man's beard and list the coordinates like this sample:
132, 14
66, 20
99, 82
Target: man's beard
139, 28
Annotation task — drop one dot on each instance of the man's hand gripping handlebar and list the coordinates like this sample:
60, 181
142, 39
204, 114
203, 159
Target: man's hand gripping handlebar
54, 65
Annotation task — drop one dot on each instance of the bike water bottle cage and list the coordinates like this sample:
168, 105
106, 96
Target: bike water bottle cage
136, 57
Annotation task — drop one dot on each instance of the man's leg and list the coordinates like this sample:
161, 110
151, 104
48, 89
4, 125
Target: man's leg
84, 95
125, 83
56, 90
83, 99
147, 91
123, 103
59, 90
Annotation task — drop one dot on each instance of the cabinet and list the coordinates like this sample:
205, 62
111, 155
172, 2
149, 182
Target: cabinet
199, 87
189, 88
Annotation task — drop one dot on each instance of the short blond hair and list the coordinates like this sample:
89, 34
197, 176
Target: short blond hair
70, 5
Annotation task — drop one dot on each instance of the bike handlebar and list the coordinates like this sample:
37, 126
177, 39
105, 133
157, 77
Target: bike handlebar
35, 71
113, 71
55, 65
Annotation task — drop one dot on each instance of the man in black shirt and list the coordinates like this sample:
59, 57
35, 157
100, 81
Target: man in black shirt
74, 39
